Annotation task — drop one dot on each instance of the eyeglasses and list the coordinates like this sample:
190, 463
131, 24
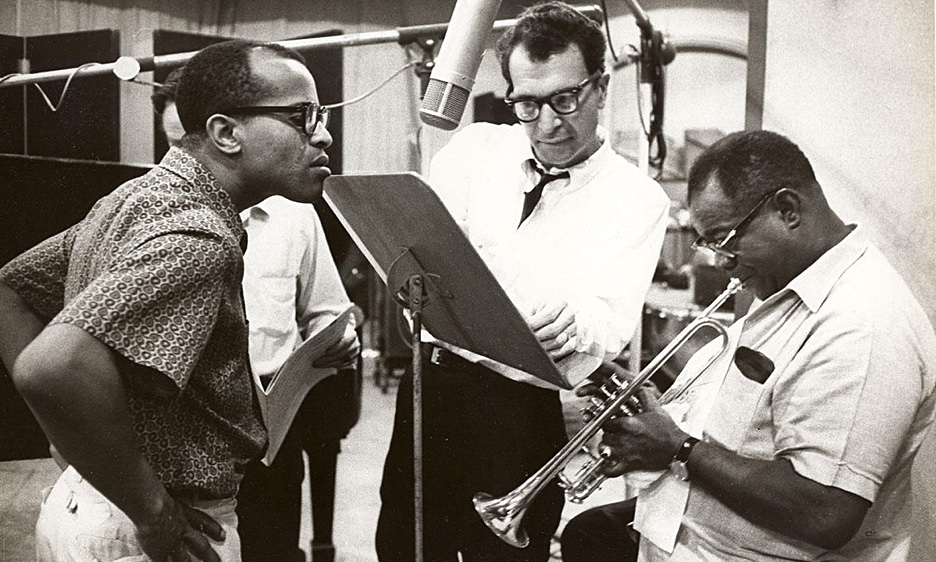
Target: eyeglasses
311, 114
562, 102
718, 248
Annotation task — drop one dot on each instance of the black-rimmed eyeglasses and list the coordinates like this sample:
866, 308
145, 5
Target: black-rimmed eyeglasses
563, 102
311, 114
718, 249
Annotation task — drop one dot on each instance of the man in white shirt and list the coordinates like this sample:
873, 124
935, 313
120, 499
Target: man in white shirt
291, 290
797, 443
577, 264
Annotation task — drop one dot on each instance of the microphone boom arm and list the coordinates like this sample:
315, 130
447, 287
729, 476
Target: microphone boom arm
401, 35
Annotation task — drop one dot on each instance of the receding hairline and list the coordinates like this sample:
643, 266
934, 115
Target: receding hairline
263, 56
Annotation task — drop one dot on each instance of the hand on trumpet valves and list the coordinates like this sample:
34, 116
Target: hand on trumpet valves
607, 379
553, 322
646, 441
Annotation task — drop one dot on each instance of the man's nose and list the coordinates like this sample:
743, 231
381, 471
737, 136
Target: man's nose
320, 138
548, 119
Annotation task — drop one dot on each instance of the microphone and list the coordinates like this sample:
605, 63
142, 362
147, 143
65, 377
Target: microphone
457, 64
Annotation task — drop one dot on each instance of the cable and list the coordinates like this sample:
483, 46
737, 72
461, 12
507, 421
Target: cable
640, 111
379, 86
56, 107
653, 131
656, 137
604, 10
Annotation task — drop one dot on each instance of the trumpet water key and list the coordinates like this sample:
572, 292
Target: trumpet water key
504, 515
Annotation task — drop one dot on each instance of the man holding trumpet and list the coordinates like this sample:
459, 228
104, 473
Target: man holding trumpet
798, 441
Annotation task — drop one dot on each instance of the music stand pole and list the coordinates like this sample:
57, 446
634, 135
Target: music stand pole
415, 291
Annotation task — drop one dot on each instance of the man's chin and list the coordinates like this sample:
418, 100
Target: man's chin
760, 288
309, 192
557, 158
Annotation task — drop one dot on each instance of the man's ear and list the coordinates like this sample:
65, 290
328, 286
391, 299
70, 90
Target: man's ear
602, 87
790, 206
222, 130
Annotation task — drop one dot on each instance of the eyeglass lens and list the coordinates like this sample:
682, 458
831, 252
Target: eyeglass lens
315, 114
562, 103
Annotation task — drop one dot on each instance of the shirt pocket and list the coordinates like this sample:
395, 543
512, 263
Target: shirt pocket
732, 421
272, 311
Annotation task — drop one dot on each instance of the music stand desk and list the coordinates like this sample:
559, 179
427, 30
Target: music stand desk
404, 229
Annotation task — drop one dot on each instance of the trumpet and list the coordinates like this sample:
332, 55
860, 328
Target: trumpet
504, 515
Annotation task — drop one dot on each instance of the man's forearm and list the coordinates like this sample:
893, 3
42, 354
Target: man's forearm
71, 382
771, 494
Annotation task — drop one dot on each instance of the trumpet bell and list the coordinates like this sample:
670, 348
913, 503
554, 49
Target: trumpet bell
502, 518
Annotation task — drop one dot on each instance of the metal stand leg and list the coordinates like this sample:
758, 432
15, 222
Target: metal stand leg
416, 304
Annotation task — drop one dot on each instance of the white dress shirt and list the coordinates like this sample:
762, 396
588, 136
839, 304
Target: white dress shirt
593, 240
291, 284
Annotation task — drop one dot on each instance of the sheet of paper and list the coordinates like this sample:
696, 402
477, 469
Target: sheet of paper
281, 397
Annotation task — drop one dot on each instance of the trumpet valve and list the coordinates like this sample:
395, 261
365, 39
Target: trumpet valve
587, 479
593, 409
631, 406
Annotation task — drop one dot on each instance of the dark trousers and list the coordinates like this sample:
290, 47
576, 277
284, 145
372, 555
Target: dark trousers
269, 505
481, 433
602, 534
269, 501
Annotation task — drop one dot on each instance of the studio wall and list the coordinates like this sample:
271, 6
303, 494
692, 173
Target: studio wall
853, 84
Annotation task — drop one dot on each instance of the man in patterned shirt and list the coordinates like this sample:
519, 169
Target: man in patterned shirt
126, 333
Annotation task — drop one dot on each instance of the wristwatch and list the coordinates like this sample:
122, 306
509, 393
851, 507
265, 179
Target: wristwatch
678, 464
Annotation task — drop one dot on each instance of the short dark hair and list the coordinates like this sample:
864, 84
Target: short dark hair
549, 28
165, 93
749, 165
218, 79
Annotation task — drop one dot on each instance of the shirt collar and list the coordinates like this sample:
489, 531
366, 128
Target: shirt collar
815, 283
259, 212
579, 174
183, 164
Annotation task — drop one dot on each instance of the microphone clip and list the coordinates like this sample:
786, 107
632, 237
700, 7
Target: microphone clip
424, 67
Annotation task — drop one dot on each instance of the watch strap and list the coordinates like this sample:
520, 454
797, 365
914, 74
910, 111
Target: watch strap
682, 455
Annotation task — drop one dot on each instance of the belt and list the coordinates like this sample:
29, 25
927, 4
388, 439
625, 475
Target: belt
445, 358
195, 496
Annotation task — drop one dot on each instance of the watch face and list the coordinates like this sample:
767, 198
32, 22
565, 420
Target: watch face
679, 470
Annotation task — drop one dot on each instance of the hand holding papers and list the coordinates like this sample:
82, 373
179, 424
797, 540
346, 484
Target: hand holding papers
281, 396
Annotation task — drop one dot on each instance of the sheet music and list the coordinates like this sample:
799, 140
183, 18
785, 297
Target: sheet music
281, 397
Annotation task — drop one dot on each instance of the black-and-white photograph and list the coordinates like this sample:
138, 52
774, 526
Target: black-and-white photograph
467, 281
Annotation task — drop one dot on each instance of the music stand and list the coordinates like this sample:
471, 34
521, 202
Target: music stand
404, 229
411, 240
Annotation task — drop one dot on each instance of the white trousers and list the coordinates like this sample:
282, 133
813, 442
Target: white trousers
78, 524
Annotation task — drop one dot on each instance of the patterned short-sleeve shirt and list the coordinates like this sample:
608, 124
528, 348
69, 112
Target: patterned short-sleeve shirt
154, 272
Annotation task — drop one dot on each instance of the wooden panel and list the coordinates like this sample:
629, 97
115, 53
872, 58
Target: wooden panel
12, 141
42, 196
87, 123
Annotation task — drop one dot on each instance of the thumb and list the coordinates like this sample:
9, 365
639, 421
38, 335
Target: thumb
202, 522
